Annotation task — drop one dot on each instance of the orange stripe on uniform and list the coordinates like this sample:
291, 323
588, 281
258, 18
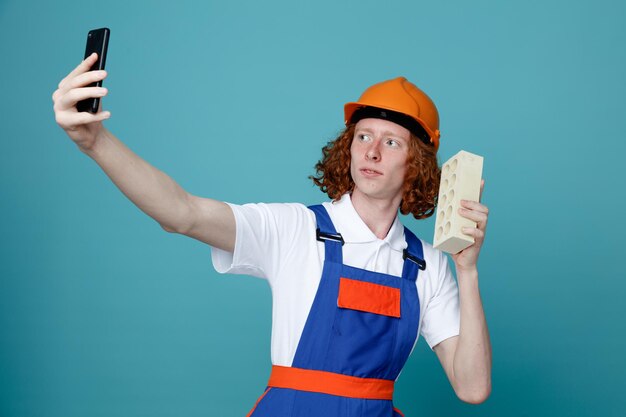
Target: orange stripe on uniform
398, 411
366, 296
257, 402
331, 383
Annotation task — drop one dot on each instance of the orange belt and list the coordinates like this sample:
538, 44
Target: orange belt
331, 383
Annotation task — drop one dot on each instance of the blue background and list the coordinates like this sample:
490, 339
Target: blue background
102, 313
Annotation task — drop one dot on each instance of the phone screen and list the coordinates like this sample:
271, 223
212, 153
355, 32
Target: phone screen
97, 41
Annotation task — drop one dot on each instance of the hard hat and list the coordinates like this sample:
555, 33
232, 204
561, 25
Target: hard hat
400, 98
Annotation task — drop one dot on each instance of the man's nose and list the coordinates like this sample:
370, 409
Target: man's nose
373, 153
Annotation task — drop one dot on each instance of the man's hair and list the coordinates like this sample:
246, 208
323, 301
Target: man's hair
421, 182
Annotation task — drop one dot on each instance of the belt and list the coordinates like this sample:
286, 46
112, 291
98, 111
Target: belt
331, 383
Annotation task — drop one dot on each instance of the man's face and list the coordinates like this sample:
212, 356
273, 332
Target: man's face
378, 158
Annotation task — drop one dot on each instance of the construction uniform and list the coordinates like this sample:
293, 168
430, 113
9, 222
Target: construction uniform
347, 306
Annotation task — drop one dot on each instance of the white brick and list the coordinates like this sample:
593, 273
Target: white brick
460, 180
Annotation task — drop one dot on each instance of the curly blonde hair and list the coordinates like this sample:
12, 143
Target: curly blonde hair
421, 182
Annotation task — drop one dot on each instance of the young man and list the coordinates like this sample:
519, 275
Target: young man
352, 288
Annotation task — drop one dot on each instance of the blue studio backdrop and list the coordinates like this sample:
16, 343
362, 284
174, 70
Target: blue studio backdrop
103, 313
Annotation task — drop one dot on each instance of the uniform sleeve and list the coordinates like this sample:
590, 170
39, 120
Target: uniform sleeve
265, 235
442, 316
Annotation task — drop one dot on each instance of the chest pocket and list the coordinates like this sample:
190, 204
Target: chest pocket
369, 297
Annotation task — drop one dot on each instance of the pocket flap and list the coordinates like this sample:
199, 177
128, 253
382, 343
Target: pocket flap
366, 296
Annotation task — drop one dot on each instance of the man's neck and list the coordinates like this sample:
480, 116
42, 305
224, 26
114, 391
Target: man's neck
378, 214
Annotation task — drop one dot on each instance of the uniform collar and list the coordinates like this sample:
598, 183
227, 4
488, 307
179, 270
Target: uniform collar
354, 230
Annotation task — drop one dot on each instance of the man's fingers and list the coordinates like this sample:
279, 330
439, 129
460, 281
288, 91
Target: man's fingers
78, 83
475, 211
70, 98
84, 66
82, 80
474, 205
69, 120
474, 232
477, 216
86, 78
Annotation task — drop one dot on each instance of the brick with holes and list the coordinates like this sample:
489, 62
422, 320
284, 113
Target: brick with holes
460, 180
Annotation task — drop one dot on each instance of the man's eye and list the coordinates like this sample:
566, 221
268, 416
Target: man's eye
392, 142
364, 137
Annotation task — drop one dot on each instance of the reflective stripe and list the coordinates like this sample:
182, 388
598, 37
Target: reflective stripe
331, 383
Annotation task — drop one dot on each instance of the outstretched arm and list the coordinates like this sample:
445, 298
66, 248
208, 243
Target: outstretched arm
148, 188
466, 358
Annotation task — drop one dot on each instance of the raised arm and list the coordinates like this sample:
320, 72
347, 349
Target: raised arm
150, 189
466, 358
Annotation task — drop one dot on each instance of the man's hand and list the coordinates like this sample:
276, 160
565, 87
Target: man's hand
468, 257
82, 127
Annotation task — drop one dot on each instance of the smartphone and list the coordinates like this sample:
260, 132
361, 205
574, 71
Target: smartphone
97, 41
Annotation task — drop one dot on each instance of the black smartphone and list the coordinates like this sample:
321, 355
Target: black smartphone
97, 41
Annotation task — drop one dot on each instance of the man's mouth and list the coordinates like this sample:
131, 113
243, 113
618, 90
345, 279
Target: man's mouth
370, 172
